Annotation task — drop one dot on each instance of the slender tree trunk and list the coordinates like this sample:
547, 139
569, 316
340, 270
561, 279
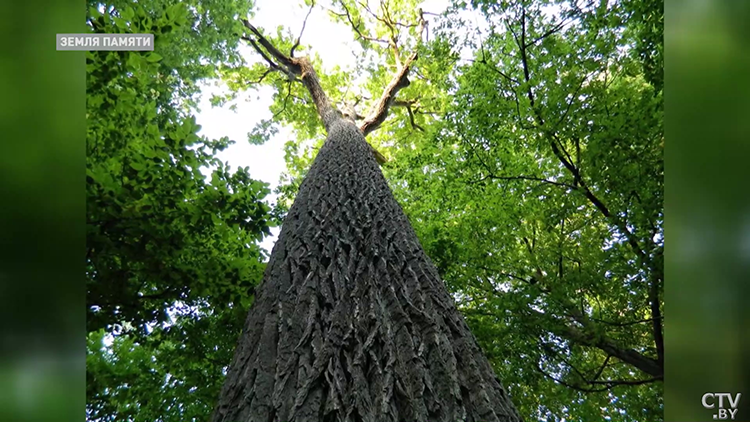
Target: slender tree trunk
352, 321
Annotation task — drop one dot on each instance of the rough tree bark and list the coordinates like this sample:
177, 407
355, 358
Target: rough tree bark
351, 321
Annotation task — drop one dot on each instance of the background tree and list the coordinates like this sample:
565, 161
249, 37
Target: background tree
172, 256
539, 197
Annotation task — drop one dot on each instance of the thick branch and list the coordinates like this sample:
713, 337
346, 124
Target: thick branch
646, 364
656, 322
400, 79
588, 336
283, 59
623, 324
272, 64
303, 68
613, 383
299, 67
380, 110
325, 110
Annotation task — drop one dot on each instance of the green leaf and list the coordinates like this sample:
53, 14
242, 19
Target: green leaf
262, 132
121, 23
136, 165
134, 60
153, 57
128, 14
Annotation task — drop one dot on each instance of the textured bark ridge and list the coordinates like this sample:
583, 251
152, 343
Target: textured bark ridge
352, 321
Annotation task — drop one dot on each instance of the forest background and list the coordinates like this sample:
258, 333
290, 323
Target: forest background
527, 153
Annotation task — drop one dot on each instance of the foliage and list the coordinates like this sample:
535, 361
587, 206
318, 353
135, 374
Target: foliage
203, 34
527, 152
174, 373
534, 179
162, 237
646, 21
539, 197
158, 231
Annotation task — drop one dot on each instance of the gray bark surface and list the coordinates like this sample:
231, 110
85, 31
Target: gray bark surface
351, 321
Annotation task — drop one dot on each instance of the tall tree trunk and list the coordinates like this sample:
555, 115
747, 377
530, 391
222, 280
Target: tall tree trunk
352, 321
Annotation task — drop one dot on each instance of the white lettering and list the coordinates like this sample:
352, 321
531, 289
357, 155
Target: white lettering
722, 413
733, 403
105, 41
705, 404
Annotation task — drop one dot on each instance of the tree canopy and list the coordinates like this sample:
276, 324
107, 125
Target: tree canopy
527, 152
172, 255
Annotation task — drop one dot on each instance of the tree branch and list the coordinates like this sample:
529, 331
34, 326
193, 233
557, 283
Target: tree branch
601, 368
566, 160
608, 384
301, 67
355, 27
646, 364
263, 76
380, 110
304, 23
407, 105
263, 54
551, 31
532, 178
614, 383
273, 51
400, 80
571, 386
498, 71
656, 323
296, 67
586, 335
286, 98
622, 324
